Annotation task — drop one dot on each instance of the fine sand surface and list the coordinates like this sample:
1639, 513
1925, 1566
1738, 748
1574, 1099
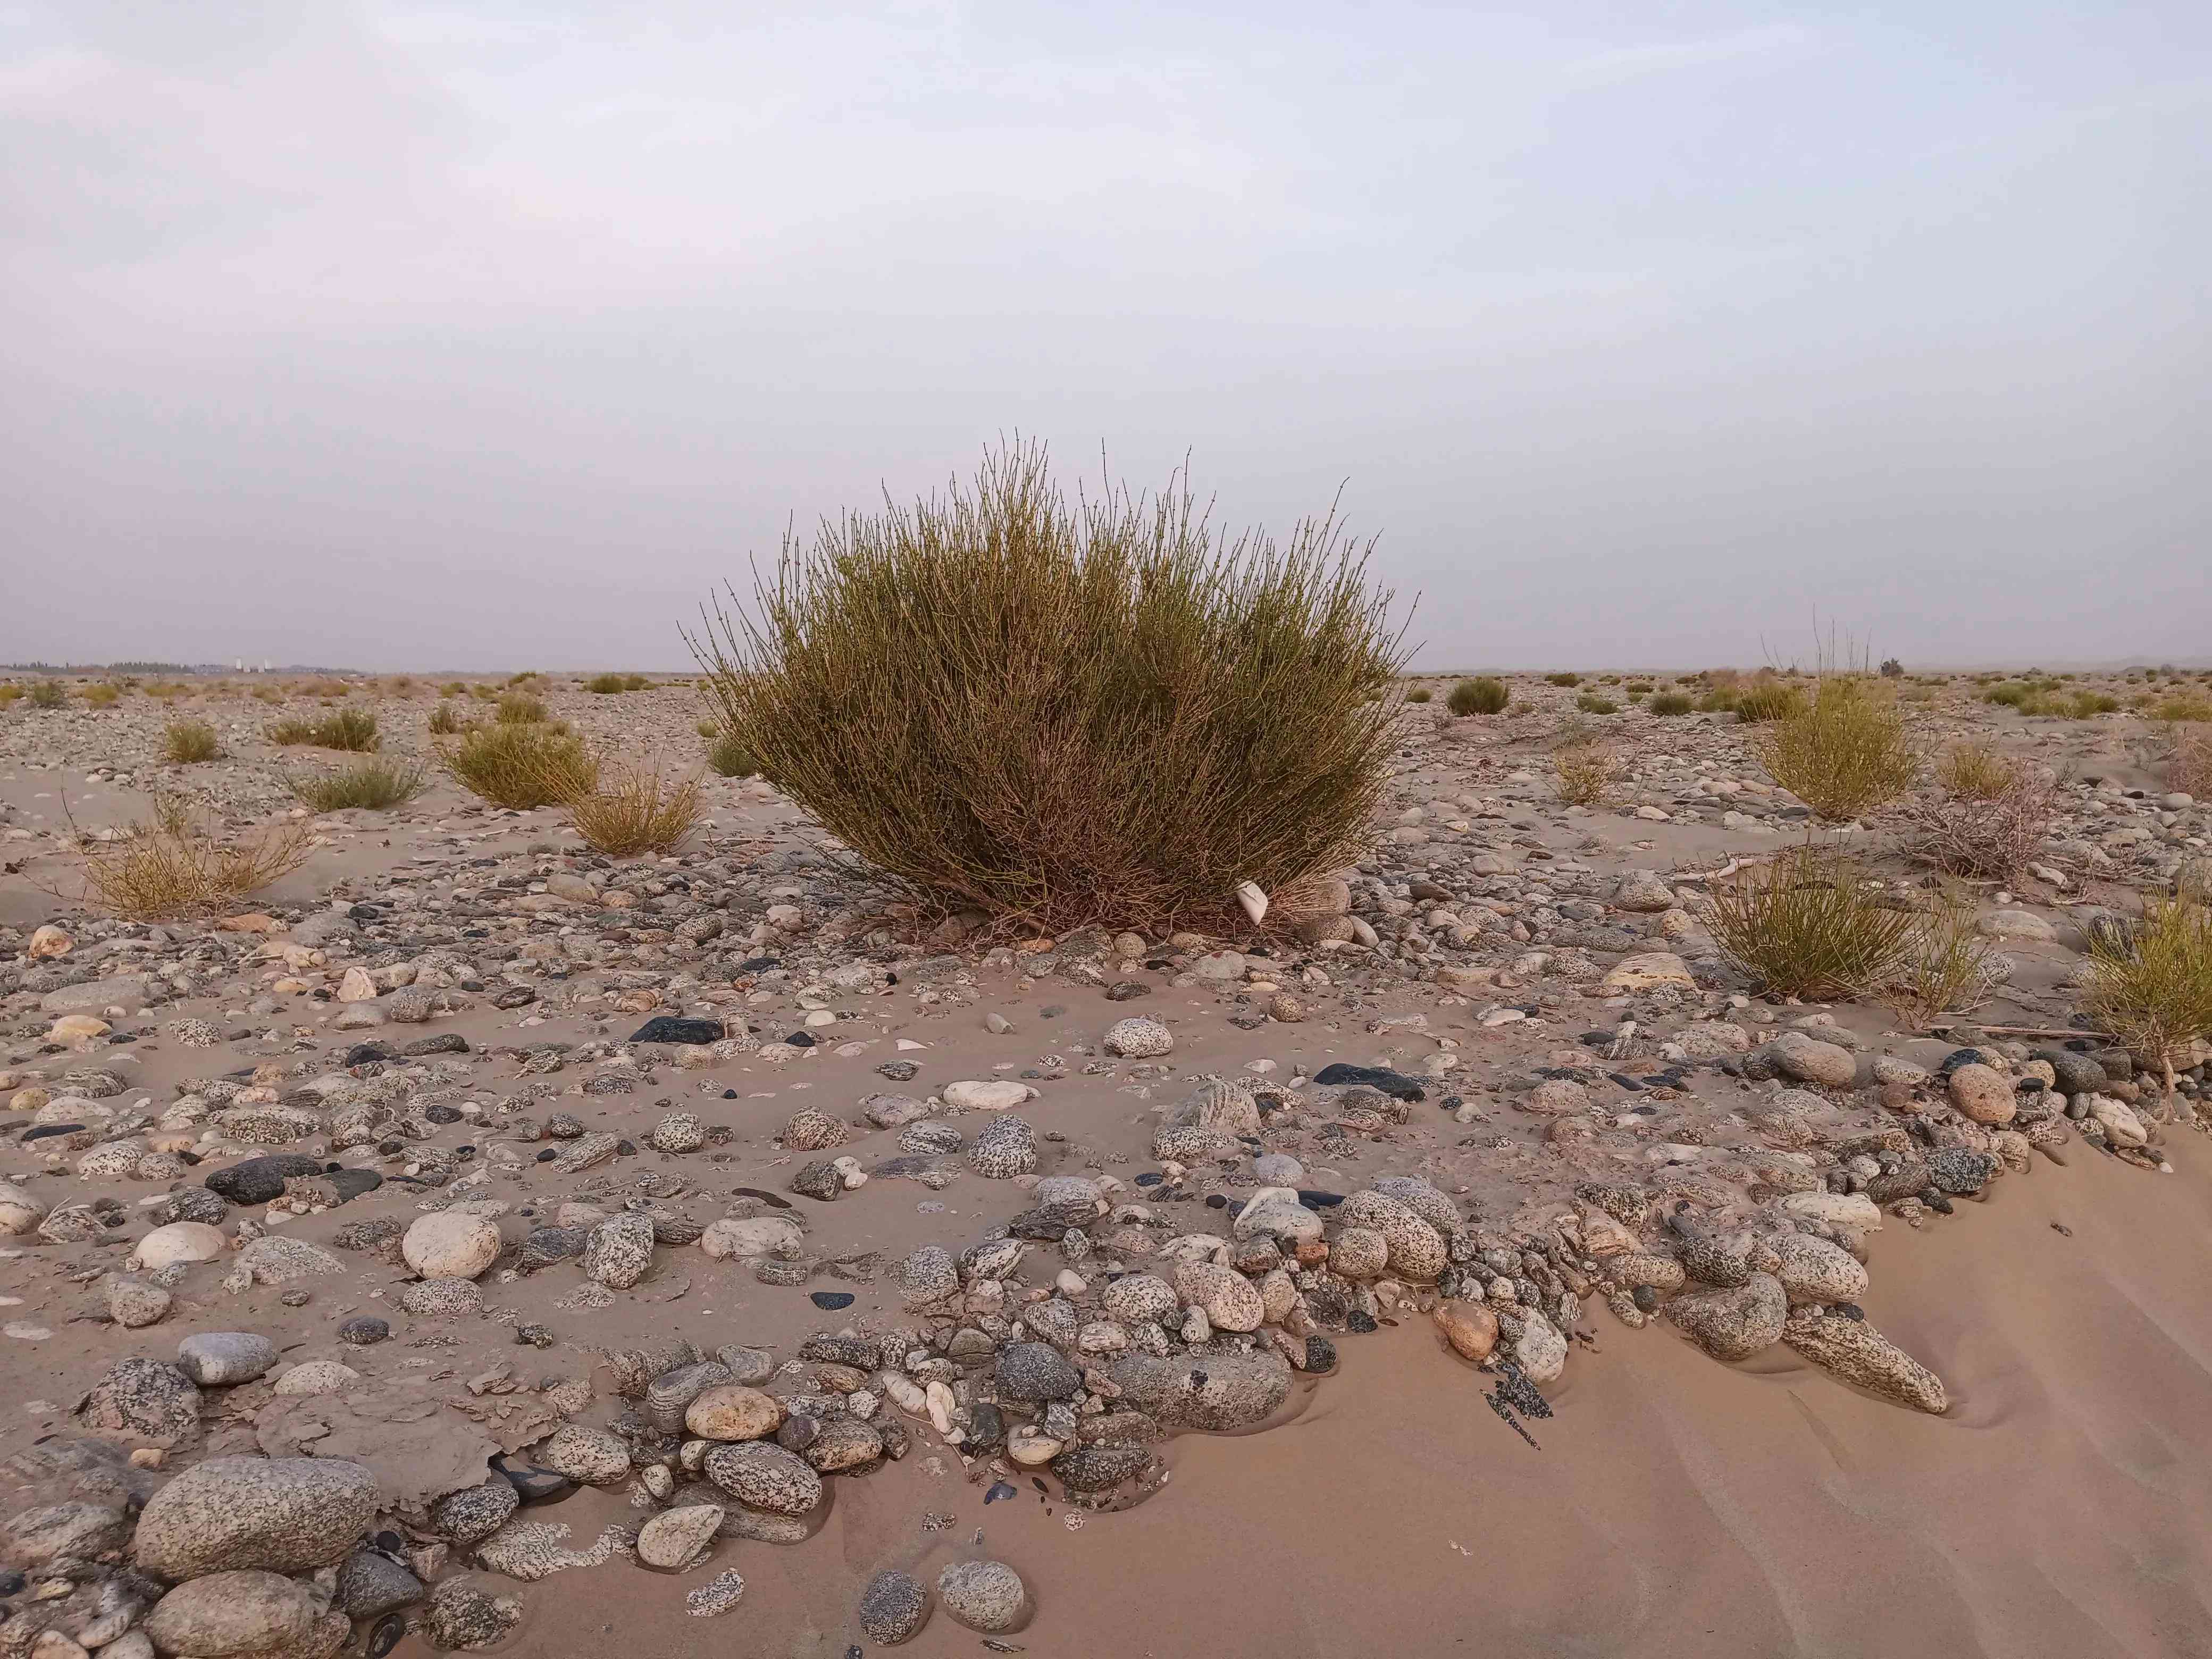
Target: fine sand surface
2063, 1506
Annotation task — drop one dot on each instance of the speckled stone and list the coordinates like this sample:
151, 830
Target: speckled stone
474, 1513
1094, 1468
592, 1457
893, 1608
371, 1585
442, 1298
677, 1132
1033, 1371
765, 1476
1139, 1038
620, 1251
811, 1130
985, 1595
144, 1398
464, 1616
1735, 1323
278, 1514
927, 1276
1004, 1148
679, 1537
1858, 1354
716, 1597
1141, 1299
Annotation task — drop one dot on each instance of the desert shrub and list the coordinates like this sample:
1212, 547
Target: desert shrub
290, 733
2182, 706
730, 755
1419, 694
1060, 711
484, 693
643, 813
636, 683
2150, 984
1808, 924
607, 685
444, 722
2087, 705
1590, 703
1668, 704
1892, 669
1640, 688
1563, 679
1843, 750
189, 742
2189, 768
168, 867
1721, 700
102, 695
522, 766
267, 694
1947, 967
453, 688
1973, 771
1484, 696
350, 729
9, 694
1582, 770
521, 709
1764, 699
375, 784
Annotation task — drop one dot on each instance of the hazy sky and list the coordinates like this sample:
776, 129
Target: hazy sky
494, 335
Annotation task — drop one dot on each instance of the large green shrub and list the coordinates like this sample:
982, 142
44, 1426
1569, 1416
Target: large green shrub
1060, 712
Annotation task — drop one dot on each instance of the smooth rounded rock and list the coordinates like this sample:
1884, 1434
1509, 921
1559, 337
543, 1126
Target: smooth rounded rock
984, 1595
232, 1614
731, 1412
223, 1359
894, 1606
276, 1514
450, 1245
765, 1476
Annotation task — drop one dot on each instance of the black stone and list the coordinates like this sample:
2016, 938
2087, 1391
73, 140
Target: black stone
365, 913
390, 1630
799, 1040
366, 1053
668, 1028
759, 964
1316, 1201
353, 1184
261, 1180
442, 1114
45, 1130
1321, 1355
898, 1071
830, 1301
986, 1427
1358, 1322
363, 1333
532, 1485
445, 1042
1395, 1084
1126, 990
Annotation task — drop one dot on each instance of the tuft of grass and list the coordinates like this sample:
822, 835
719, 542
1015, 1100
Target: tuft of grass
607, 685
375, 784
1059, 711
1563, 679
1591, 703
1764, 700
349, 730
102, 695
2182, 706
1482, 695
1843, 751
49, 694
1947, 967
1668, 704
521, 709
9, 694
186, 743
1973, 771
2189, 768
168, 868
1583, 769
1419, 694
2150, 984
643, 813
1808, 924
445, 723
522, 766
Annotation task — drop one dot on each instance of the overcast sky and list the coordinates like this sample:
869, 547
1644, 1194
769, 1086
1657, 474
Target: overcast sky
488, 335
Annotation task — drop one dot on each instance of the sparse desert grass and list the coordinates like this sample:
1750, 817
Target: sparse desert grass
168, 868
521, 709
1973, 771
376, 784
1721, 700
1481, 695
1668, 704
267, 694
643, 812
187, 743
103, 694
1947, 967
2150, 984
1419, 694
522, 766
1760, 701
49, 694
1563, 679
1583, 769
1808, 924
613, 684
1059, 711
2182, 706
351, 730
445, 723
2189, 768
729, 755
1843, 751
1591, 703
9, 694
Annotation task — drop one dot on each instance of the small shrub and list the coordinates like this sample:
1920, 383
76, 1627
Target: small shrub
290, 733
267, 694
375, 784
1641, 687
521, 709
168, 868
522, 766
1843, 751
2182, 706
607, 685
1892, 669
187, 743
1807, 925
2087, 705
352, 731
1582, 771
730, 755
445, 723
453, 688
484, 693
636, 683
1419, 694
1563, 679
2189, 769
8, 694
1063, 712
527, 677
643, 813
1590, 703
1762, 700
102, 695
1948, 968
1484, 696
1668, 704
1973, 771
2150, 984
1721, 700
